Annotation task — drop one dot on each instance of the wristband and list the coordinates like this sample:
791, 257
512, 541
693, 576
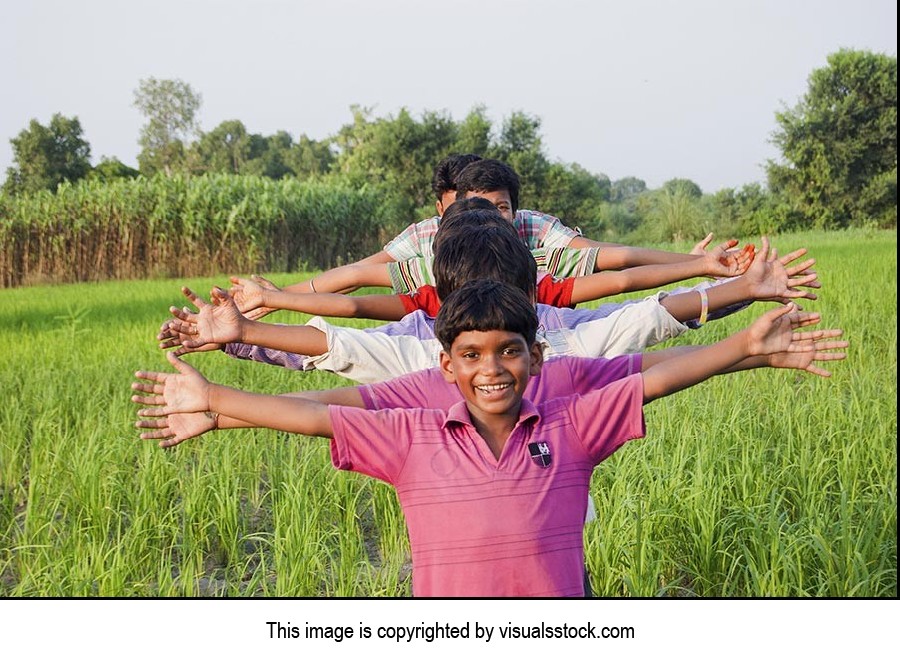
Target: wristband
704, 307
311, 287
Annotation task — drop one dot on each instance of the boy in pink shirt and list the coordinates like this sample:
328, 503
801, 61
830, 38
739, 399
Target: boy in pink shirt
494, 489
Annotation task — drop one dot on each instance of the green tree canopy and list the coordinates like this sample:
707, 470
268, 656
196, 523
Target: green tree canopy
171, 108
309, 157
112, 168
45, 156
839, 144
627, 188
683, 185
226, 149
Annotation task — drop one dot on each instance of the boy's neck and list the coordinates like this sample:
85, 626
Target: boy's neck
495, 429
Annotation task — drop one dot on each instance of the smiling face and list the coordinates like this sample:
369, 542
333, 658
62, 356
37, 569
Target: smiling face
491, 369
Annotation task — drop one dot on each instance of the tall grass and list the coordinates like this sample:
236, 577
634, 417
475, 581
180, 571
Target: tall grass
765, 483
183, 226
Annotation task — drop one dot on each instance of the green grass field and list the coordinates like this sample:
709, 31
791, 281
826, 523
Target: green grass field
766, 483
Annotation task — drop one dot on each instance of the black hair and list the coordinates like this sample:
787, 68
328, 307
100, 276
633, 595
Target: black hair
483, 252
489, 176
466, 213
444, 178
482, 306
463, 205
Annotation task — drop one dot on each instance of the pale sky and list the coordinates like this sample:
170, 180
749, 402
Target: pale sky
646, 88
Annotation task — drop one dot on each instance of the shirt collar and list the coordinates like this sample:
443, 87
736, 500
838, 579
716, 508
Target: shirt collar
459, 414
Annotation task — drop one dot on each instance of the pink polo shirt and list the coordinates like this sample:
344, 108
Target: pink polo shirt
559, 377
482, 527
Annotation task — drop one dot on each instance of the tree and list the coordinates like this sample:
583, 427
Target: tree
398, 151
309, 157
520, 146
474, 134
45, 156
110, 169
274, 162
171, 108
839, 144
683, 185
575, 195
627, 188
226, 149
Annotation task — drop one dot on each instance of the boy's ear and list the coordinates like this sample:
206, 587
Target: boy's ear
537, 359
439, 207
447, 368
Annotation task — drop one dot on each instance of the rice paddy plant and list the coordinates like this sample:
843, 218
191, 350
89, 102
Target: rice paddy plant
762, 484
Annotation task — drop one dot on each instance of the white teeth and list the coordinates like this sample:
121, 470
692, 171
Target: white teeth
492, 387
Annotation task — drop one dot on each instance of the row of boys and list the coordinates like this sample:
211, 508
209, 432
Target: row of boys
485, 408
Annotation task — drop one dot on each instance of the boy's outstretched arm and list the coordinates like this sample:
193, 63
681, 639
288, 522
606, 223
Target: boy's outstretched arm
771, 333
818, 346
617, 257
220, 322
248, 293
178, 427
343, 279
641, 278
188, 391
767, 278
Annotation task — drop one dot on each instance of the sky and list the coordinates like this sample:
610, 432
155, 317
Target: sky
648, 88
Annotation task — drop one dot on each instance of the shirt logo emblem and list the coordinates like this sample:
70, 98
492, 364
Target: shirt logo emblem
540, 453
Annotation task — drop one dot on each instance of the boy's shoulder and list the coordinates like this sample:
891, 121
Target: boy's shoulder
527, 215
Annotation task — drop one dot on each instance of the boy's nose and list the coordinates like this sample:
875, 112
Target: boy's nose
491, 364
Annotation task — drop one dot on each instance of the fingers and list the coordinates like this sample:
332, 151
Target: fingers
173, 441
825, 357
725, 246
181, 366
763, 251
159, 410
805, 280
804, 318
148, 400
793, 256
219, 296
265, 283
165, 331
184, 314
193, 297
148, 387
175, 328
799, 268
825, 342
150, 375
813, 337
155, 423
163, 433
774, 314
795, 294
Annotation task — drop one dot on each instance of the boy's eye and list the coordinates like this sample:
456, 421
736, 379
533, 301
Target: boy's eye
512, 352
469, 355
